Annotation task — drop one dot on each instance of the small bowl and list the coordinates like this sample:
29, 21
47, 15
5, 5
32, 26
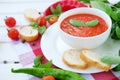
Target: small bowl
85, 42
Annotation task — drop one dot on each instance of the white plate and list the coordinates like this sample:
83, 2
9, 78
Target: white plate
53, 48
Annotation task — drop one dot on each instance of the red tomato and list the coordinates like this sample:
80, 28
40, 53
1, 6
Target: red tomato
42, 21
48, 78
10, 22
13, 33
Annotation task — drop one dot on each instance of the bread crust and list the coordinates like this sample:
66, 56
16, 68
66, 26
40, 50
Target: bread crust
94, 63
73, 65
28, 38
31, 19
31, 14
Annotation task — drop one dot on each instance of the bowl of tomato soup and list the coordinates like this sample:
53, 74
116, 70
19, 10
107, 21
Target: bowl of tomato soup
84, 27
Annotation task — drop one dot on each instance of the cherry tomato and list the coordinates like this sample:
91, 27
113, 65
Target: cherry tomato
42, 21
13, 33
53, 19
10, 22
48, 78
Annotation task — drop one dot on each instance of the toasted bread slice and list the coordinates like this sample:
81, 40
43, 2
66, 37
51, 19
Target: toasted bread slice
28, 33
93, 59
71, 58
31, 14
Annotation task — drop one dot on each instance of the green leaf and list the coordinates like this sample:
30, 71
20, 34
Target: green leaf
76, 23
46, 65
118, 12
56, 11
102, 6
118, 31
52, 10
119, 52
41, 29
117, 5
88, 1
38, 23
92, 23
85, 1
33, 24
114, 16
117, 68
48, 17
38, 64
113, 31
37, 61
111, 59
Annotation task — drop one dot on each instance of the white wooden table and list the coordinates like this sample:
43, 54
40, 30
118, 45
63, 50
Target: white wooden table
8, 55
14, 8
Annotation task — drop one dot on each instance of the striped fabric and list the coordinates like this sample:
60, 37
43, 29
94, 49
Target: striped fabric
27, 52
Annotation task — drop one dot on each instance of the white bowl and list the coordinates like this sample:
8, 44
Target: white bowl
85, 42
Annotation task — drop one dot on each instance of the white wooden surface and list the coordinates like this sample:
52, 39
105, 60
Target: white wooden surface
15, 8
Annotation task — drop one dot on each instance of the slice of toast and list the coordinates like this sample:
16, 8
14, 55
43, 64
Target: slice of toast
28, 33
31, 14
72, 59
93, 59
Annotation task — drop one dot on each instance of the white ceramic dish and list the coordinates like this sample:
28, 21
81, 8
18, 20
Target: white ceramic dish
53, 48
85, 42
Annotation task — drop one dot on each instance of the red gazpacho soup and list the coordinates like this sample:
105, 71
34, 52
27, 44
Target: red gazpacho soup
84, 31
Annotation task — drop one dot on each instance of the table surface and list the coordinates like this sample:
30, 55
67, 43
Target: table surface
14, 8
8, 54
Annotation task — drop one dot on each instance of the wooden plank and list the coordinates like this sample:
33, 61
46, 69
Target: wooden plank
23, 1
16, 10
7, 8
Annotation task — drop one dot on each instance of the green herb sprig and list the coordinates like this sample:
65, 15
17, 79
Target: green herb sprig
55, 11
38, 64
41, 29
92, 23
113, 11
77, 23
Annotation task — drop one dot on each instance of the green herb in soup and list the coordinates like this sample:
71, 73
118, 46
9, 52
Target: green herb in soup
76, 23
92, 23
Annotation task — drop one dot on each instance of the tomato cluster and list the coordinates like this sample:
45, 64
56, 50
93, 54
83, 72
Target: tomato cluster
13, 33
